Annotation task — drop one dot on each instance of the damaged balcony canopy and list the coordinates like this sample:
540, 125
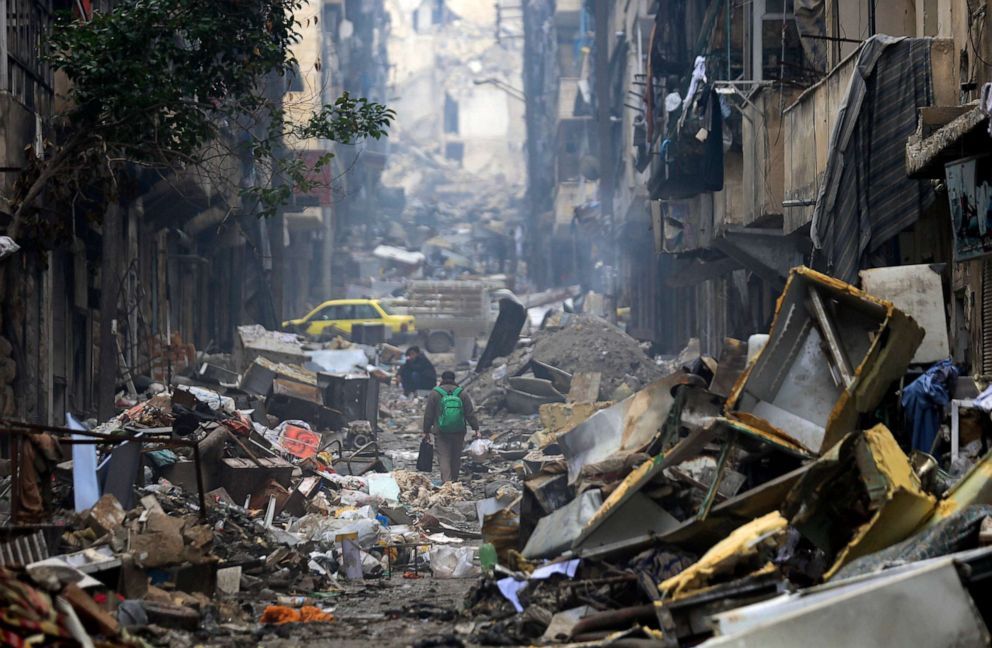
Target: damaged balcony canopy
832, 352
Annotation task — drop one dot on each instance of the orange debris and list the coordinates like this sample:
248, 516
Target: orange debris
280, 614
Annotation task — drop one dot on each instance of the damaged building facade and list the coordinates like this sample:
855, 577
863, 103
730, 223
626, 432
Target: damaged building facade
786, 204
177, 266
694, 153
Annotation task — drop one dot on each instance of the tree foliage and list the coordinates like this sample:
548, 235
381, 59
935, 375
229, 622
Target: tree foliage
178, 85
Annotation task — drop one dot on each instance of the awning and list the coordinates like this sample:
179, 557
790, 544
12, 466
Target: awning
960, 132
310, 219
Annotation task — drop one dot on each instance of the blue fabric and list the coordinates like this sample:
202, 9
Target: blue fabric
923, 402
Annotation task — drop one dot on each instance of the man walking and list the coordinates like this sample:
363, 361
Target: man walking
417, 372
447, 411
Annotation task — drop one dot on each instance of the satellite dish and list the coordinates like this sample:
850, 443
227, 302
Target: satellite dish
346, 29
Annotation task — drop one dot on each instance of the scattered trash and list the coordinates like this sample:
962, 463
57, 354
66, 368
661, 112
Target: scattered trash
701, 492
480, 448
454, 562
280, 614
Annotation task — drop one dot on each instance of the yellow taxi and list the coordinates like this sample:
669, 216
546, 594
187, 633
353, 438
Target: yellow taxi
337, 316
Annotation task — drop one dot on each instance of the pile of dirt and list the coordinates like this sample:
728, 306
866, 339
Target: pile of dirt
574, 343
590, 343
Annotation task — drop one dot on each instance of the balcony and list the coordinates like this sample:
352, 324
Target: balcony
764, 155
569, 195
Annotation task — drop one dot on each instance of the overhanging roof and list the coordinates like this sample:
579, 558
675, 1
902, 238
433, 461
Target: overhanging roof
961, 131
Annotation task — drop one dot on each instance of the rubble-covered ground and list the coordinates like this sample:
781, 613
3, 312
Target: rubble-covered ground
574, 343
634, 506
588, 343
388, 610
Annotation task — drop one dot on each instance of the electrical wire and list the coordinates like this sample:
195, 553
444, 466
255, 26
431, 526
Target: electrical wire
971, 34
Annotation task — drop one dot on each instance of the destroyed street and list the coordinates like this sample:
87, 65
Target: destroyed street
449, 323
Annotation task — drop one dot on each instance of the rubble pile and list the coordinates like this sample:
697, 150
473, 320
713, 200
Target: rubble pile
675, 514
591, 344
690, 517
541, 370
253, 490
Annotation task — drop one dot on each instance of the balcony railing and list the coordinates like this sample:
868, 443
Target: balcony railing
23, 73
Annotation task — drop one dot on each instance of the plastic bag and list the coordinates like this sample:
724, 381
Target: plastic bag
211, 399
382, 485
480, 448
449, 561
7, 247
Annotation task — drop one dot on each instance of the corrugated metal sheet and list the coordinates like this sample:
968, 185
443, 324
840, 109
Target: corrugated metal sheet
24, 550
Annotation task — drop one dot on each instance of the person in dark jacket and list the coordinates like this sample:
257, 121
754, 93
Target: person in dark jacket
448, 446
417, 372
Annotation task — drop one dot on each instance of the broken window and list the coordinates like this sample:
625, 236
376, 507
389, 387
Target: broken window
782, 54
454, 151
450, 114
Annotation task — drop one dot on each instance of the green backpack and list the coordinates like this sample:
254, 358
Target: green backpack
451, 414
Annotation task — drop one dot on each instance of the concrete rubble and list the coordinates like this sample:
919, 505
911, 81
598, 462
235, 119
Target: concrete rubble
631, 503
267, 486
699, 518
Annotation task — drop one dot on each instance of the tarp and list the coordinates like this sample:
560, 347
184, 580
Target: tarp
865, 198
923, 402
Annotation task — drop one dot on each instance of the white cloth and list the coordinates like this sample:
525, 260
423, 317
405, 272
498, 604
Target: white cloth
986, 103
510, 587
698, 76
984, 400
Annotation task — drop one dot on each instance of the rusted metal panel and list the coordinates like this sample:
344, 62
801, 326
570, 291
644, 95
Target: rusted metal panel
891, 503
629, 509
628, 426
556, 532
791, 391
296, 389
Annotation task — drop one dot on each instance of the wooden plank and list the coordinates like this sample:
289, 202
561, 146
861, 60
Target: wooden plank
585, 387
